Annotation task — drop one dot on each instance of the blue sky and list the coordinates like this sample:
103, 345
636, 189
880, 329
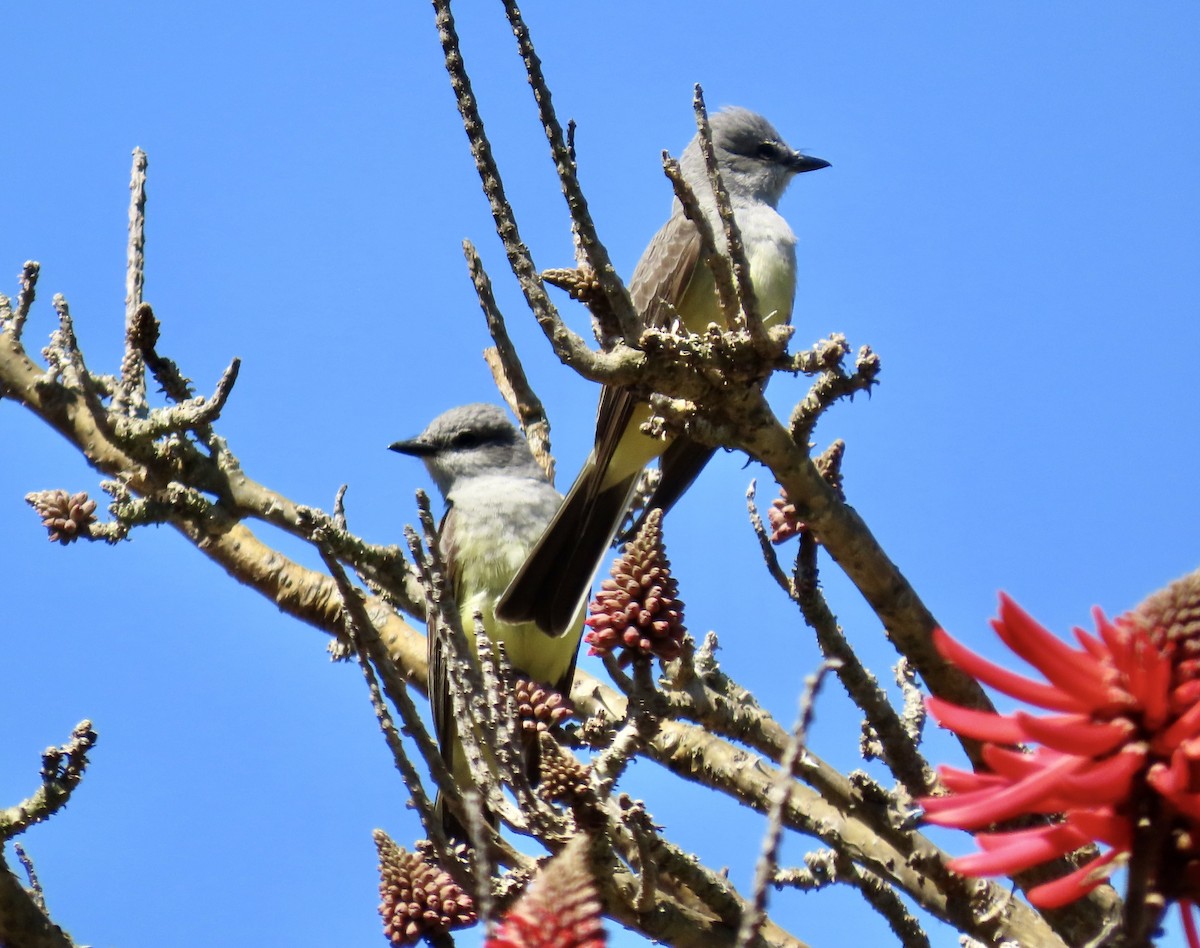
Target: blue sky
1012, 221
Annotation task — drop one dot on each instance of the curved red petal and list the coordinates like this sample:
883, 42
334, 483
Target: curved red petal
981, 725
1092, 645
1015, 764
1185, 726
1102, 783
1008, 853
1112, 635
1185, 696
1076, 733
1054, 835
1155, 695
1187, 911
965, 781
1104, 826
1074, 885
1017, 686
984, 807
1073, 670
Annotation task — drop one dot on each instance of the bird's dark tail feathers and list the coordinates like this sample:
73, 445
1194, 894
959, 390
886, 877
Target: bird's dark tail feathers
681, 464
551, 586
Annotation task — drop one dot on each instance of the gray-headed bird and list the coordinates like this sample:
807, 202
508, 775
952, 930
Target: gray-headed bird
756, 166
498, 502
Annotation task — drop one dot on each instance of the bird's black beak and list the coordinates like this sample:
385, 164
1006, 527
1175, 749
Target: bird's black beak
415, 448
799, 163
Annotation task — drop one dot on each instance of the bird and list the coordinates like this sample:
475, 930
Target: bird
498, 500
670, 280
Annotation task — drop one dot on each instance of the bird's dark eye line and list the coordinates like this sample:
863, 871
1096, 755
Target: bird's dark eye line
766, 151
474, 439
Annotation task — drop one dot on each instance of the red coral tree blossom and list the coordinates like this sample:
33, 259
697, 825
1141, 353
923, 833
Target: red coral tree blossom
561, 908
1118, 754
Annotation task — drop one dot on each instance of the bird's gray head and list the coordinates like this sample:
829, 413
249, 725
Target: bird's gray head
755, 162
471, 441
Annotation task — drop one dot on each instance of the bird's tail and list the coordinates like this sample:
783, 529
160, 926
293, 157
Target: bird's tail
556, 577
681, 464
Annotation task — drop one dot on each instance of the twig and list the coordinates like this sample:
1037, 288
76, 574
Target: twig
62, 770
359, 629
767, 863
35, 885
25, 296
195, 414
130, 398
748, 317
899, 750
782, 580
718, 263
828, 867
511, 377
569, 346
595, 253
643, 718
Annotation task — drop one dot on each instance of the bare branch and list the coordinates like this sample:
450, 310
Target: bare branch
62, 770
507, 370
594, 252
748, 317
130, 398
769, 860
27, 281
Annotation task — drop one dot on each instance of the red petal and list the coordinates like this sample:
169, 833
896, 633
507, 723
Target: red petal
1107, 782
1116, 638
1184, 727
1076, 733
1074, 885
1104, 826
1186, 909
964, 781
1008, 853
981, 725
1018, 686
1017, 765
1073, 670
1185, 696
984, 807
1155, 695
1092, 645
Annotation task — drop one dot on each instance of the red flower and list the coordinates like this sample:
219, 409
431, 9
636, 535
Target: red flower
561, 908
1124, 729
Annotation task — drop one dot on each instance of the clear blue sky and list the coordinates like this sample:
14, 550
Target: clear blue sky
1012, 220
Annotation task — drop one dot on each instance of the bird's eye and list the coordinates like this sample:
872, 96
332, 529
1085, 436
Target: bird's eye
766, 151
465, 439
